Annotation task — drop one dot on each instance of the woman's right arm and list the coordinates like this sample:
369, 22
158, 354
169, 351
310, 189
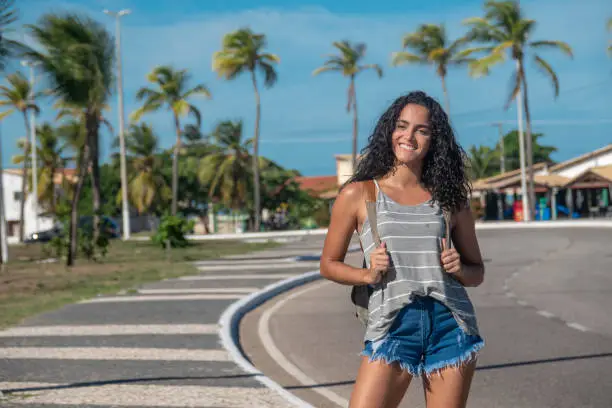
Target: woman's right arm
344, 221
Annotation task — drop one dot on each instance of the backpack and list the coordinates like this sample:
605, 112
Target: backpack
360, 294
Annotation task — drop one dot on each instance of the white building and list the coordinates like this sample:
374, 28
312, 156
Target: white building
11, 180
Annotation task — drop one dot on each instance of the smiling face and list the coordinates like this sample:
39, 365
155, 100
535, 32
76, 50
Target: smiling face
412, 135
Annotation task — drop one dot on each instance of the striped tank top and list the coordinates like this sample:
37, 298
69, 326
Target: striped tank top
413, 235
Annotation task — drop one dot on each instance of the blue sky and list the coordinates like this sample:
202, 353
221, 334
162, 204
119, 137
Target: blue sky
304, 121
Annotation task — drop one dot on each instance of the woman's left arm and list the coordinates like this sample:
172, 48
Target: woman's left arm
464, 260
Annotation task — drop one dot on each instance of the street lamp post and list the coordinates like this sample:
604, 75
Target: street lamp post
33, 152
124, 186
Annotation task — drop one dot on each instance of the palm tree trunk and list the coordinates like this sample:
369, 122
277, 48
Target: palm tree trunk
256, 198
74, 212
177, 149
528, 143
92, 123
355, 125
446, 99
24, 186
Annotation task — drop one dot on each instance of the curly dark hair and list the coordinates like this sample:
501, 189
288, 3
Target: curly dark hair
444, 167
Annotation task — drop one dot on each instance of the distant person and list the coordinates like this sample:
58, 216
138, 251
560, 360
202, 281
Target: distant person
420, 320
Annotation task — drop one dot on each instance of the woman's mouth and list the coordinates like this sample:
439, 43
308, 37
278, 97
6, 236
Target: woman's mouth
407, 146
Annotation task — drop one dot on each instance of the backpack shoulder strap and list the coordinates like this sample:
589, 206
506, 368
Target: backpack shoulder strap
447, 224
370, 202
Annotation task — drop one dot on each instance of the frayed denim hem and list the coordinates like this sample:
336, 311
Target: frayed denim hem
467, 357
385, 350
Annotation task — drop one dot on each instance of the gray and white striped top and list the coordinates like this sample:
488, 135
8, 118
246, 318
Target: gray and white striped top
412, 234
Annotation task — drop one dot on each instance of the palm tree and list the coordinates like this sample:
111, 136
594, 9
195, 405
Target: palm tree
431, 46
50, 154
172, 92
482, 160
505, 30
78, 58
8, 47
17, 97
23, 158
348, 63
227, 170
243, 51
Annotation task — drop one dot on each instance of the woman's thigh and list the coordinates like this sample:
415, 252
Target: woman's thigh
379, 385
450, 387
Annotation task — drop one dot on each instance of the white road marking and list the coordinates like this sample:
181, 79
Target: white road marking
281, 360
141, 395
510, 294
193, 291
253, 261
110, 330
522, 303
265, 266
278, 276
546, 314
112, 353
578, 326
156, 298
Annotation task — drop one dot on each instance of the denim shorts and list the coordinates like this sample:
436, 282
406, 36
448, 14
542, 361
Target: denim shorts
425, 338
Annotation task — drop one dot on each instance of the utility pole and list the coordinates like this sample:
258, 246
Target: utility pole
502, 158
3, 229
519, 107
33, 151
124, 184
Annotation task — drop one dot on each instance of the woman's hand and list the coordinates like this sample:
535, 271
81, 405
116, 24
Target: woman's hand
379, 264
451, 261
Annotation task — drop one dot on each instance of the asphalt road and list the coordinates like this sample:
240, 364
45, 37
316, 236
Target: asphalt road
544, 311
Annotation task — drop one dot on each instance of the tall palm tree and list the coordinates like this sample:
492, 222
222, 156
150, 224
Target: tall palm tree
171, 92
147, 184
16, 96
78, 57
505, 30
431, 46
51, 157
243, 50
23, 158
348, 63
482, 160
227, 169
8, 47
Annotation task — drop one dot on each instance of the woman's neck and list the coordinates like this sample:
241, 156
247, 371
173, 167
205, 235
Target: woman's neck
405, 175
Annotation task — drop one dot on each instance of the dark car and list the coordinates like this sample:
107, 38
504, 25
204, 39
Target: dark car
85, 222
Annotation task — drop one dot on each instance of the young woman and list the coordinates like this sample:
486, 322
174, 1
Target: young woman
420, 319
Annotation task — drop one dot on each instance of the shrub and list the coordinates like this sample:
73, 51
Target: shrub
173, 229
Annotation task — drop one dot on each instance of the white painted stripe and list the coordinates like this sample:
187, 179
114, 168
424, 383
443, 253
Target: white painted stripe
546, 314
522, 303
251, 261
577, 326
140, 395
112, 353
236, 277
110, 330
281, 360
196, 290
157, 298
510, 295
307, 265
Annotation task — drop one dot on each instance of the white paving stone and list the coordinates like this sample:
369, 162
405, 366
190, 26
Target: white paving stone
110, 330
123, 395
112, 353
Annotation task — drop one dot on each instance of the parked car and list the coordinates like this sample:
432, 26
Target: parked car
85, 222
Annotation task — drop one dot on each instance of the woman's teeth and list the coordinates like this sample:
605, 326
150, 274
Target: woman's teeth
407, 147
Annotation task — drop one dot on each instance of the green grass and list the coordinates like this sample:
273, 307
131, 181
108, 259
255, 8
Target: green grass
28, 288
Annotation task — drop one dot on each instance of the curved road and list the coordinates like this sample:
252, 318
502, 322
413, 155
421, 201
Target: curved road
545, 312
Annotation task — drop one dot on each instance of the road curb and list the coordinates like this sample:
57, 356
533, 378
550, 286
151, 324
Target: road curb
229, 332
229, 323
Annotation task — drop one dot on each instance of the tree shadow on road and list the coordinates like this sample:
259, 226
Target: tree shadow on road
481, 368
